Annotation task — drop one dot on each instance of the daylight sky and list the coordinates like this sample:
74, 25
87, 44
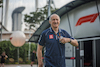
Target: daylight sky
29, 7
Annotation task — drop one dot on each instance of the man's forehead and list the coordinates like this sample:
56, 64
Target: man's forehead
55, 16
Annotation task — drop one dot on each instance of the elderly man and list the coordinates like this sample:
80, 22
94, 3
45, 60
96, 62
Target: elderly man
54, 39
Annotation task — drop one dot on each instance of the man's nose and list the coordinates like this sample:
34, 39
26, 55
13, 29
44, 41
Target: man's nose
55, 20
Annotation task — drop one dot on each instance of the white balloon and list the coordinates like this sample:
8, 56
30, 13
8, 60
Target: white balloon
18, 38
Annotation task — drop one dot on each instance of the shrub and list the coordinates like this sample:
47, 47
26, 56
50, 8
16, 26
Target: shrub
20, 60
11, 60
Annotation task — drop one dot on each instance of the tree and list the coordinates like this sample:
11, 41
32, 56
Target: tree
37, 17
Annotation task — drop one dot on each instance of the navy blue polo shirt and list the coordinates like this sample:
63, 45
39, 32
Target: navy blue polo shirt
54, 50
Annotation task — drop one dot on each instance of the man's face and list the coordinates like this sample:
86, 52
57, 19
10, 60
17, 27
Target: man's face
3, 53
55, 21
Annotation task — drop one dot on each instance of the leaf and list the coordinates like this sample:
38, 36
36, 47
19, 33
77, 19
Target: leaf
37, 17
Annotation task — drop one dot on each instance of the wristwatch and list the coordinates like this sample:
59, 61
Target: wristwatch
70, 40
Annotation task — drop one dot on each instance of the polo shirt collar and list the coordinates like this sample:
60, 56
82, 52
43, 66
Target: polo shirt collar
51, 30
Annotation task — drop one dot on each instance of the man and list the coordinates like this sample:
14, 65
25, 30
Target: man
33, 58
3, 57
54, 40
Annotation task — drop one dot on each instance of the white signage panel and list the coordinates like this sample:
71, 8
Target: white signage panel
86, 21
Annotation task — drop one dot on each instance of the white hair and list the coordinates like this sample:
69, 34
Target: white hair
52, 15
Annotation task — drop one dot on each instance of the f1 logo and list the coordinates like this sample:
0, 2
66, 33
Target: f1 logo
90, 18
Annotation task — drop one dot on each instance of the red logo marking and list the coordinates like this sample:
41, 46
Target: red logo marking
51, 36
88, 18
10, 38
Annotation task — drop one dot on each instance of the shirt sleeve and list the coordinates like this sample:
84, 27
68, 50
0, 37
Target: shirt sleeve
67, 35
42, 39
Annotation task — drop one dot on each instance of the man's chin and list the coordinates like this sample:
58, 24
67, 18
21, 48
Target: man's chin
55, 26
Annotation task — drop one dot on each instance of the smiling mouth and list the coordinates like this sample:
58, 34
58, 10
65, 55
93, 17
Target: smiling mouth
55, 23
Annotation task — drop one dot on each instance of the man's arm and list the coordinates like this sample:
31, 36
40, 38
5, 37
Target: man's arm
39, 55
6, 56
72, 42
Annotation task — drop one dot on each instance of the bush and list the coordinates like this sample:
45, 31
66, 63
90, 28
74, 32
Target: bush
12, 53
20, 60
28, 61
11, 60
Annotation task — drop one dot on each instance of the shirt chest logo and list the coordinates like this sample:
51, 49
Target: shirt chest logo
51, 36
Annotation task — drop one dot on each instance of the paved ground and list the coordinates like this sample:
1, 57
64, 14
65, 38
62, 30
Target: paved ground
24, 65
20, 65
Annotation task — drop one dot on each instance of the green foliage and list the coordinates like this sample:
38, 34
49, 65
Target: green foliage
1, 1
37, 17
11, 50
